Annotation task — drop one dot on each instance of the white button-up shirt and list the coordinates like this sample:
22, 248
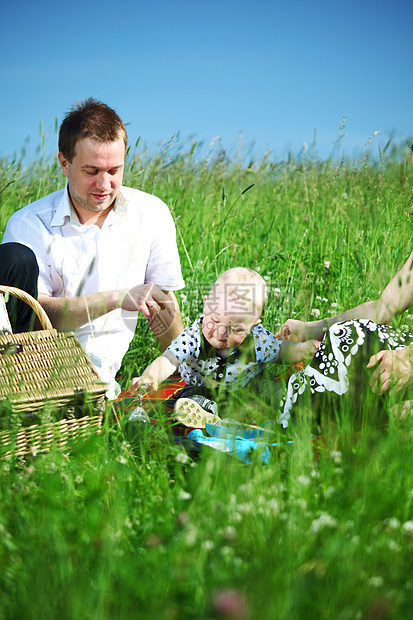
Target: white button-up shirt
136, 244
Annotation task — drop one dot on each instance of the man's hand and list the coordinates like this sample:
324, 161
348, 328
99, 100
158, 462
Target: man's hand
394, 370
148, 299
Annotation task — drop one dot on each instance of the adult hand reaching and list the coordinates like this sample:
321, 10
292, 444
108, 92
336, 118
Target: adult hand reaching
299, 331
394, 370
295, 330
148, 299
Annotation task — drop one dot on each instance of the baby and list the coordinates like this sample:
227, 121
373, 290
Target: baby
227, 346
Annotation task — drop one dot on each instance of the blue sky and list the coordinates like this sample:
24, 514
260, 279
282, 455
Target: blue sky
266, 73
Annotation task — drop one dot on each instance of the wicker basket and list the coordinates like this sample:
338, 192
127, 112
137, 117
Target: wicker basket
49, 390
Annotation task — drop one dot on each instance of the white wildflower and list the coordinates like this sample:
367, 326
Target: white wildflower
408, 528
273, 506
230, 533
301, 503
327, 264
323, 521
303, 480
393, 545
184, 495
315, 312
191, 534
78, 479
277, 292
182, 458
208, 545
392, 523
333, 305
121, 459
236, 517
376, 581
337, 456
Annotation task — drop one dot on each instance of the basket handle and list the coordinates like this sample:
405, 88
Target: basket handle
31, 301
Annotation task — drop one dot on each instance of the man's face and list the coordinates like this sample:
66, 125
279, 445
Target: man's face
95, 174
226, 324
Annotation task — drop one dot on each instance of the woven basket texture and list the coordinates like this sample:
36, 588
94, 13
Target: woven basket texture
49, 392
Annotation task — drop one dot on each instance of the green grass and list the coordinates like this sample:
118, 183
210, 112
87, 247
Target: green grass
100, 532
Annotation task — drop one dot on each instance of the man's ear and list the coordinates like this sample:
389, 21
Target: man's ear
205, 297
63, 164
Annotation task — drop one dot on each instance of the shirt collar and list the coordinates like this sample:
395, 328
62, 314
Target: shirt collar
66, 213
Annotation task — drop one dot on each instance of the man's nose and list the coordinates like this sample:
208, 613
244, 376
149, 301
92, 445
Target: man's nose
103, 181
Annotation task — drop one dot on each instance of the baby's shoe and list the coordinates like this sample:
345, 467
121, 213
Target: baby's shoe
196, 411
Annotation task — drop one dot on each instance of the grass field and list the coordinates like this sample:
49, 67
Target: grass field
100, 532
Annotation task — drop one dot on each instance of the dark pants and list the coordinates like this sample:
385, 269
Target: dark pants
19, 268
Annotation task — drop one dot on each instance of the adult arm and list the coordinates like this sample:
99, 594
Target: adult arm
159, 370
395, 299
68, 313
166, 327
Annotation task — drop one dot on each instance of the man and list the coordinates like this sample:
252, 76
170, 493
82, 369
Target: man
105, 252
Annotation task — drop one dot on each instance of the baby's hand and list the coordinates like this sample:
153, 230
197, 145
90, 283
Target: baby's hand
292, 330
142, 382
309, 348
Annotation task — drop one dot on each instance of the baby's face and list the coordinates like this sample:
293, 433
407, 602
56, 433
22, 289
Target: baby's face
227, 322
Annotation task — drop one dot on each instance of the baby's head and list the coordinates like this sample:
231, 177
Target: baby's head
233, 307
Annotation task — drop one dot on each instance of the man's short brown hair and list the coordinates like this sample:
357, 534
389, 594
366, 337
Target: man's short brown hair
90, 119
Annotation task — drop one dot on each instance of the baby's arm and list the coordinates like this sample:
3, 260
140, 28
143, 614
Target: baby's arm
293, 352
159, 370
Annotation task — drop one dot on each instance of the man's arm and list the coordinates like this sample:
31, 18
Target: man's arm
68, 313
165, 327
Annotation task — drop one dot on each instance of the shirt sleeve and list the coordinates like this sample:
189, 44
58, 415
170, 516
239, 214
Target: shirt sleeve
267, 346
26, 229
185, 347
164, 266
